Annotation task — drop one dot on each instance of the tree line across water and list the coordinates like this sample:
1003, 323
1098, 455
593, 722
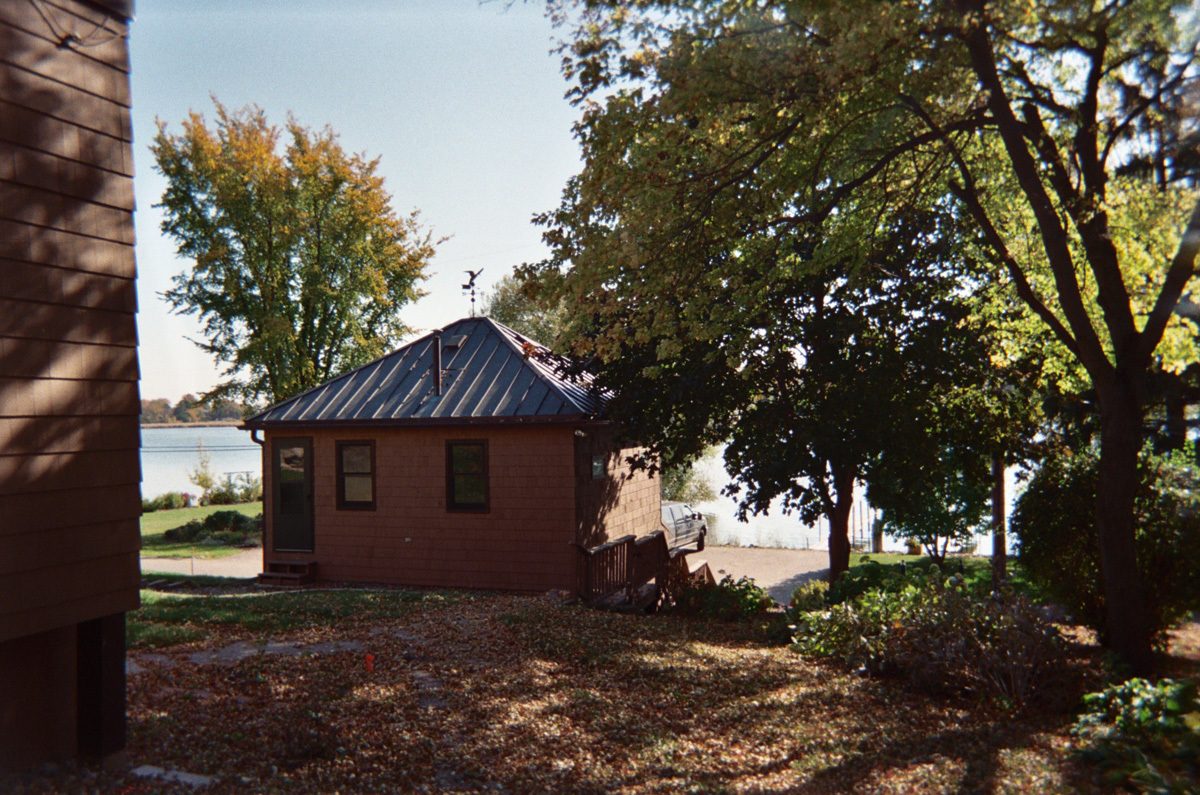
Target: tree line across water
189, 409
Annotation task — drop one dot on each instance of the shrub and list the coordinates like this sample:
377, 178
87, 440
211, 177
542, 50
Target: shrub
220, 527
809, 596
728, 600
942, 638
1144, 736
185, 532
1053, 522
222, 496
167, 502
871, 575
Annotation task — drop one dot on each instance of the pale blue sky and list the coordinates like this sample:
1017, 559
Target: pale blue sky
462, 102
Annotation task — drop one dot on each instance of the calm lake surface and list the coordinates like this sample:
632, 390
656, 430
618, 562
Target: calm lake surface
170, 454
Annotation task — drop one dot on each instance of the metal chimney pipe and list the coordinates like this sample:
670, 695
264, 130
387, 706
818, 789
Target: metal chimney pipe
437, 364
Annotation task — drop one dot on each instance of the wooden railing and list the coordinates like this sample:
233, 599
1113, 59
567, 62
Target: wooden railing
625, 563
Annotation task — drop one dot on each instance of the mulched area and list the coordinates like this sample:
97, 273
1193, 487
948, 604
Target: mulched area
508, 694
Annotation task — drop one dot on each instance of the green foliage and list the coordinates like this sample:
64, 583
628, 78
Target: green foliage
942, 638
1144, 735
170, 501
728, 600
517, 305
202, 476
300, 265
871, 575
685, 483
231, 528
1052, 523
732, 150
189, 409
947, 505
809, 596
242, 488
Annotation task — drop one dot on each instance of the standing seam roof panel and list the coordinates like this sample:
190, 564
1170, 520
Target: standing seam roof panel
495, 372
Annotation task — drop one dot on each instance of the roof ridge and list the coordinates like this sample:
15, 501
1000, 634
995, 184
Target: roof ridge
553, 383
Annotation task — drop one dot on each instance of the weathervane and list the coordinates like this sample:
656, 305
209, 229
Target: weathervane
470, 285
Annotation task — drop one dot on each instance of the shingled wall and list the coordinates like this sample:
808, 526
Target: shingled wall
69, 471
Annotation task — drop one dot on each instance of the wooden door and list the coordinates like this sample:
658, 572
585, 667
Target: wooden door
292, 502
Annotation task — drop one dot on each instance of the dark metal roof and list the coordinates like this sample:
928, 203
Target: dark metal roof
122, 8
489, 373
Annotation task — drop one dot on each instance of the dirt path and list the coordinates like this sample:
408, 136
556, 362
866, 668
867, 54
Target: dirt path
243, 564
778, 571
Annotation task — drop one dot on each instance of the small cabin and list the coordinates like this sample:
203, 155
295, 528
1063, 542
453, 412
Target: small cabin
465, 459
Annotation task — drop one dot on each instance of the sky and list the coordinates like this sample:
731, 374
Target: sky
462, 101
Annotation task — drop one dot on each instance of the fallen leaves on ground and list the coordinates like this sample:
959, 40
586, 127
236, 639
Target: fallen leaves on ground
521, 694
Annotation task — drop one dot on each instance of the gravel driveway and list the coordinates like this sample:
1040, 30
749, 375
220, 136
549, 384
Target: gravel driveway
778, 571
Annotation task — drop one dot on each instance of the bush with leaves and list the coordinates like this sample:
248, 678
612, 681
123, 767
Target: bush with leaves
221, 527
728, 600
1144, 736
167, 502
870, 575
1054, 525
940, 637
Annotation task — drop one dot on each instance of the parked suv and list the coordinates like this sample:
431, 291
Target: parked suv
685, 525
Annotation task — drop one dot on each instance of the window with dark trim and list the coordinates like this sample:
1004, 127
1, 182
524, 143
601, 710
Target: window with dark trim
467, 475
356, 476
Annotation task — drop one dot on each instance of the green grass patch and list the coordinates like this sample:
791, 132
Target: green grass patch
208, 582
166, 618
976, 570
158, 522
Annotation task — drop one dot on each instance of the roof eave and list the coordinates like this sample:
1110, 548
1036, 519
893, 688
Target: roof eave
421, 422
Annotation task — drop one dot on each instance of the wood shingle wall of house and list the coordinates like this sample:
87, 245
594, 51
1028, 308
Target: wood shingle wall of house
626, 501
522, 542
69, 469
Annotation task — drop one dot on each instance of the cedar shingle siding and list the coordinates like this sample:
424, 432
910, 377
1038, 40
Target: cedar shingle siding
69, 471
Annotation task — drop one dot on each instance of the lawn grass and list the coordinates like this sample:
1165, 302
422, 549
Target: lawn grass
975, 569
168, 617
156, 523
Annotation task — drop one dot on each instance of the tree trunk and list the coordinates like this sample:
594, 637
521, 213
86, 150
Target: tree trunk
1129, 626
999, 536
839, 523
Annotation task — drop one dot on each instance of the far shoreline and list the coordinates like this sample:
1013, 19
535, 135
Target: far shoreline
210, 424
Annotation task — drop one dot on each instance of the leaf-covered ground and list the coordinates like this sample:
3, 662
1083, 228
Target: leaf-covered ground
488, 693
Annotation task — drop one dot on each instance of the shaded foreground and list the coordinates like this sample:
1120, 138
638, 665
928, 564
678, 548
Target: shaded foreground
471, 693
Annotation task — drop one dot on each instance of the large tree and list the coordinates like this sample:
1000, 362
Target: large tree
714, 128
299, 264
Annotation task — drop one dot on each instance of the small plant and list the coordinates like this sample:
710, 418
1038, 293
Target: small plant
202, 476
221, 527
935, 633
809, 596
170, 501
728, 600
1143, 735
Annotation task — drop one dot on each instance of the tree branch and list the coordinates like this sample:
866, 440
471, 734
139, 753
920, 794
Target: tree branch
1183, 266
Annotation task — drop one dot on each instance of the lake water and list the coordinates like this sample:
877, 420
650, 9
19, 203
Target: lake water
774, 529
170, 454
